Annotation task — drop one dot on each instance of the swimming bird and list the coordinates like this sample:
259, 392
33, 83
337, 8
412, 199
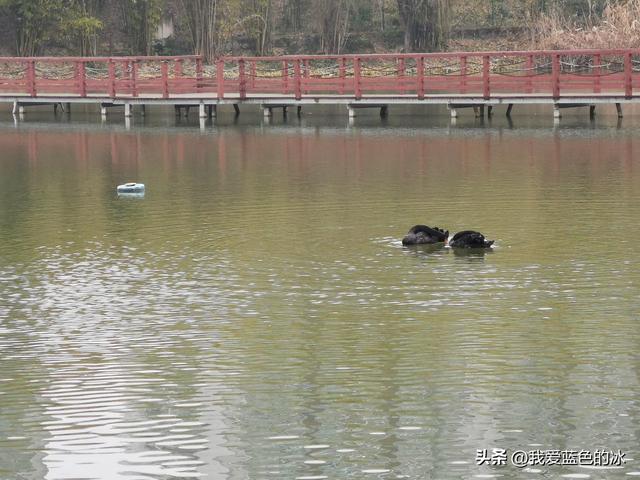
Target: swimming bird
469, 239
423, 234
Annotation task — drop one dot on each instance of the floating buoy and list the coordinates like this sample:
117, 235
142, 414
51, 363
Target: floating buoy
131, 188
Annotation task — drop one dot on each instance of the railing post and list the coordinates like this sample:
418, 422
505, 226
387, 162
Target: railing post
253, 74
356, 78
76, 77
82, 77
297, 79
597, 70
199, 70
134, 78
486, 72
463, 74
220, 78
177, 68
401, 71
31, 78
112, 79
343, 73
126, 75
529, 67
285, 76
164, 68
555, 75
242, 79
420, 67
628, 69
306, 74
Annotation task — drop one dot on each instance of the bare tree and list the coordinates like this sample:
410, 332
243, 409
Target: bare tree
292, 14
201, 19
259, 24
333, 22
426, 23
140, 19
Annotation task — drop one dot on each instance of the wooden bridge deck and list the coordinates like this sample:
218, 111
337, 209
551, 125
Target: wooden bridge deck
560, 78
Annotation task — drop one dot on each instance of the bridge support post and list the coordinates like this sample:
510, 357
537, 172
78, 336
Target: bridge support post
299, 110
489, 111
556, 111
236, 108
479, 111
619, 109
127, 110
180, 108
202, 113
103, 110
16, 106
352, 108
213, 111
454, 112
509, 108
592, 111
267, 111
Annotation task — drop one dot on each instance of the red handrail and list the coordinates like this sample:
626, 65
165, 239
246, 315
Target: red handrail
99, 59
496, 53
485, 75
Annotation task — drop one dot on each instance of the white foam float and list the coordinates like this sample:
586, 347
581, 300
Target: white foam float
130, 188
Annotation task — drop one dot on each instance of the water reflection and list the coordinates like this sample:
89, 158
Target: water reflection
472, 253
256, 316
424, 250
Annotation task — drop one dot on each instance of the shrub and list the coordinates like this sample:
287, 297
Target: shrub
619, 27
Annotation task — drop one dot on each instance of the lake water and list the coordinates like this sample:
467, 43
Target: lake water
255, 315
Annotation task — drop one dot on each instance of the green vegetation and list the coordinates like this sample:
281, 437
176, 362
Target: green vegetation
215, 27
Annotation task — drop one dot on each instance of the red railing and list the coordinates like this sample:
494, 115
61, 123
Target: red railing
550, 74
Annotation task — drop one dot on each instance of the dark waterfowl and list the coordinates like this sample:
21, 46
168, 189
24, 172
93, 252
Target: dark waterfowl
422, 234
469, 239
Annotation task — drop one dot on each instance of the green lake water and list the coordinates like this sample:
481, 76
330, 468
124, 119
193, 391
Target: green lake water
255, 315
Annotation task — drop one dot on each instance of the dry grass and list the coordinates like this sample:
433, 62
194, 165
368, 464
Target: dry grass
619, 27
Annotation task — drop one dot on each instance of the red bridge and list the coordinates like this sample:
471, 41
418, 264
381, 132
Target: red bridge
478, 79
